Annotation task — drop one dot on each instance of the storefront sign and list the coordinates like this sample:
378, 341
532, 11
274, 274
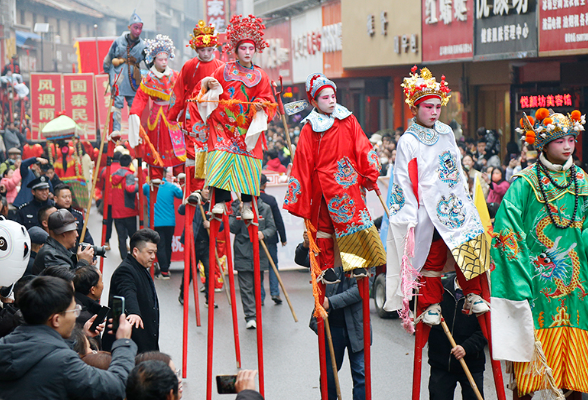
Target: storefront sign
276, 59
528, 101
332, 40
78, 94
216, 14
505, 29
45, 101
307, 57
448, 30
563, 27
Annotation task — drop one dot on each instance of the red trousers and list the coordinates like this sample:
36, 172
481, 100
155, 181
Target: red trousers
157, 172
432, 290
191, 182
326, 246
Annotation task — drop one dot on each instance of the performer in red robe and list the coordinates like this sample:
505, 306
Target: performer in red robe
334, 165
237, 104
166, 137
204, 42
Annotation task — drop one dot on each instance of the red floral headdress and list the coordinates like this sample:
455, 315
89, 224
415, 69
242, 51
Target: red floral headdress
418, 87
203, 36
245, 28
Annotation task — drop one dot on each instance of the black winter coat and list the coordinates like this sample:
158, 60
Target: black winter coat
466, 332
54, 253
133, 281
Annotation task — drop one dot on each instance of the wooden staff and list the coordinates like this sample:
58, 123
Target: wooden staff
271, 261
278, 96
461, 360
333, 360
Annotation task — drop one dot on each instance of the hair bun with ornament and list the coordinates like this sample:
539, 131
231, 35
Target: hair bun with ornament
203, 36
161, 44
549, 126
315, 83
420, 86
245, 28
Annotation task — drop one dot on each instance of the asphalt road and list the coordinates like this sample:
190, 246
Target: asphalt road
290, 349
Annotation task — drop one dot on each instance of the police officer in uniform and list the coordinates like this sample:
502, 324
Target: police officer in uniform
63, 199
27, 213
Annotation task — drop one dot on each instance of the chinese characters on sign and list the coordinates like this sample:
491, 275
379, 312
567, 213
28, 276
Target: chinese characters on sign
563, 26
404, 43
45, 101
551, 100
216, 14
78, 91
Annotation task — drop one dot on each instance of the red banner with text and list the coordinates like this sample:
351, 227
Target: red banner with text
45, 101
78, 93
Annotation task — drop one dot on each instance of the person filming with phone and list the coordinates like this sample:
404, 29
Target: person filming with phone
132, 281
37, 363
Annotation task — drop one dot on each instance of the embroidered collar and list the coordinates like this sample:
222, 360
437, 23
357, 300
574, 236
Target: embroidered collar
556, 167
428, 136
321, 122
236, 72
158, 74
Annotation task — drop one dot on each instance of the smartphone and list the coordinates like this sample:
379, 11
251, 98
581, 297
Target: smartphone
99, 318
513, 156
225, 384
118, 307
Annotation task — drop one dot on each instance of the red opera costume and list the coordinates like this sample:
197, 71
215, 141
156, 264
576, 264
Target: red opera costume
187, 86
165, 136
335, 163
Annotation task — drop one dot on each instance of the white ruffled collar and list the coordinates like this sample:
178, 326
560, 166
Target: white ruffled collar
322, 122
556, 167
158, 74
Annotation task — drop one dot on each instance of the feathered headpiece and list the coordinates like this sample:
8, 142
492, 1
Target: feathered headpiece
419, 87
245, 28
203, 36
549, 126
161, 44
315, 83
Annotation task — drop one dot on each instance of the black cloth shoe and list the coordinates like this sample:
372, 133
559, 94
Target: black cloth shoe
359, 273
181, 298
329, 277
277, 300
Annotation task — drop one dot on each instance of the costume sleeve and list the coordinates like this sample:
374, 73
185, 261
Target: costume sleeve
367, 160
264, 93
178, 99
403, 206
299, 194
512, 319
107, 63
140, 102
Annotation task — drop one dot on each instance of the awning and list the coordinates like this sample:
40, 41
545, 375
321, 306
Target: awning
22, 37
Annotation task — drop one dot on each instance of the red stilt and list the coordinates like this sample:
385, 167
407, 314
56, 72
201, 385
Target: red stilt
253, 236
421, 337
214, 228
320, 325
194, 269
138, 152
227, 233
106, 195
364, 291
484, 321
186, 289
152, 199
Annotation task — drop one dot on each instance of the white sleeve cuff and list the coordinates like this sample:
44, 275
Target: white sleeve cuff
513, 336
134, 128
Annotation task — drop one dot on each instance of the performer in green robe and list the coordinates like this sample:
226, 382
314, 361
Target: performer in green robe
540, 281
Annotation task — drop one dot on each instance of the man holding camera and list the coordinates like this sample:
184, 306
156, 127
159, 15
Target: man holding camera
63, 200
63, 235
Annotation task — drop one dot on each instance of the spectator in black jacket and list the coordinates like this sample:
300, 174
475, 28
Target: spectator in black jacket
152, 379
38, 238
36, 362
63, 235
88, 285
446, 369
132, 281
272, 241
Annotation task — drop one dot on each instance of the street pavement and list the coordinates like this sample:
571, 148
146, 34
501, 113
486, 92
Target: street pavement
290, 349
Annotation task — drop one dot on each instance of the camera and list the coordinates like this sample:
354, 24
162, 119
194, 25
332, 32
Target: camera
98, 250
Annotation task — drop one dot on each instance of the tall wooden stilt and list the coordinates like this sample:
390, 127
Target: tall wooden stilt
254, 237
364, 290
232, 289
186, 287
214, 228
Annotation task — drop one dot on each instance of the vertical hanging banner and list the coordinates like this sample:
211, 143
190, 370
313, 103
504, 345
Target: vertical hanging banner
103, 102
216, 14
78, 95
505, 29
563, 27
45, 101
448, 30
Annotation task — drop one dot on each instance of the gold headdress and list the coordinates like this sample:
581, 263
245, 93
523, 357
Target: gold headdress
418, 87
203, 36
548, 126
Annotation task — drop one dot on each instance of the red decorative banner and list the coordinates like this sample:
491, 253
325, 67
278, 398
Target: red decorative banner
78, 94
45, 101
103, 102
563, 27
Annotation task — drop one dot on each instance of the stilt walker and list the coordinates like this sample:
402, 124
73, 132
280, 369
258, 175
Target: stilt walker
334, 165
236, 104
539, 248
430, 208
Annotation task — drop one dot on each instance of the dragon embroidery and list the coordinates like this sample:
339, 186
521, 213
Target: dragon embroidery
341, 208
345, 175
396, 200
508, 242
450, 211
447, 170
293, 191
